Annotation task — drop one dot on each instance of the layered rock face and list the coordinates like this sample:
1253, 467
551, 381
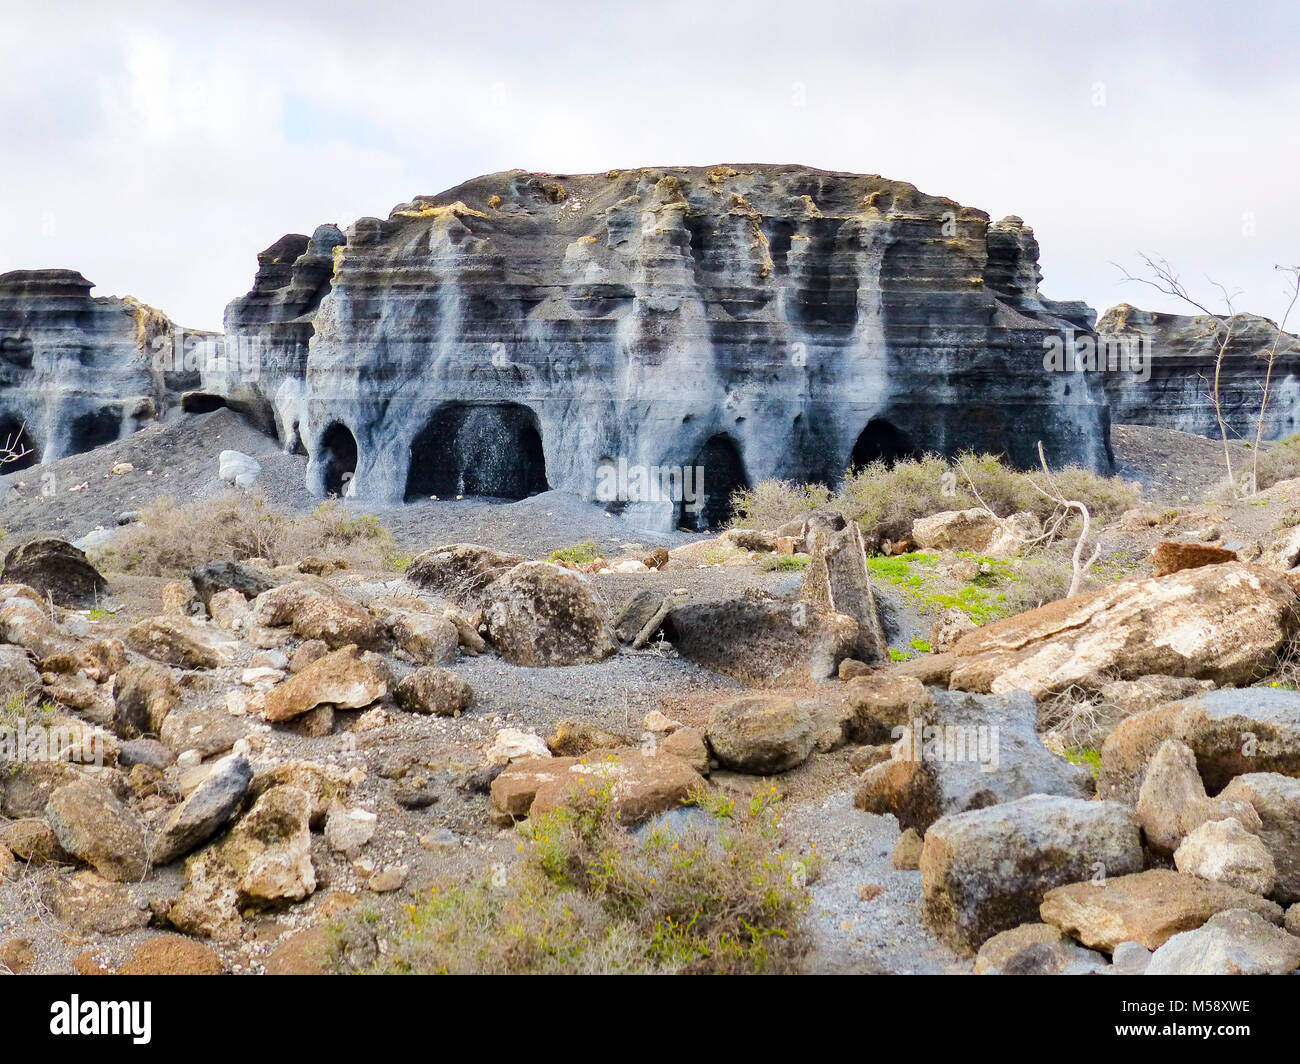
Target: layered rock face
654, 339
1175, 389
77, 372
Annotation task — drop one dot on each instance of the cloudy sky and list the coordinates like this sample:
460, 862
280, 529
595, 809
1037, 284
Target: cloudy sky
157, 147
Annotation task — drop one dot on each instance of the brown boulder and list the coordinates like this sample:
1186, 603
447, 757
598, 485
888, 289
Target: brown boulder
1170, 557
341, 678
1146, 907
1226, 623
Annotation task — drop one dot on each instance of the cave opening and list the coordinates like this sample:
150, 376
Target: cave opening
338, 458
487, 449
882, 441
17, 442
93, 429
719, 471
201, 402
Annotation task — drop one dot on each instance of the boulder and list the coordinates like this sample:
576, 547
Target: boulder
1233, 942
1223, 851
539, 614
1172, 801
837, 579
460, 571
18, 676
760, 734
143, 696
763, 641
511, 744
989, 870
906, 856
436, 691
343, 679
1013, 535
55, 568
264, 861
956, 530
212, 577
426, 639
205, 730
238, 469
1276, 799
573, 738
1226, 623
311, 613
209, 808
883, 702
32, 840
948, 630
172, 955
967, 752
93, 826
1283, 553
638, 785
1036, 949
1230, 732
1170, 557
180, 642
1145, 907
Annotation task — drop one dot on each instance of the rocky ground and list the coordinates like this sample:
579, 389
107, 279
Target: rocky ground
266, 779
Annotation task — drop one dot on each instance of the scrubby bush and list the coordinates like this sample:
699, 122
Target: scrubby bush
886, 499
590, 897
579, 554
171, 538
774, 502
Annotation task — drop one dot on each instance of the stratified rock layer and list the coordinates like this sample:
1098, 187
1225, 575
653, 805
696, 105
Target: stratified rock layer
1183, 350
526, 331
77, 372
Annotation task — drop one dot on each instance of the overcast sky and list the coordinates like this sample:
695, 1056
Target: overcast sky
158, 147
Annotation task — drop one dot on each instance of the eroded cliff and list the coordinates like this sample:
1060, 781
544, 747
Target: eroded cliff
524, 331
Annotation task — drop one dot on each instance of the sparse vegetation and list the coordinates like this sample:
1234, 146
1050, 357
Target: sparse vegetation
591, 897
782, 563
583, 553
172, 538
886, 499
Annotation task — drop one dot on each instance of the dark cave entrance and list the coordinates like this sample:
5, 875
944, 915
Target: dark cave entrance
488, 449
15, 439
719, 471
882, 441
338, 458
93, 429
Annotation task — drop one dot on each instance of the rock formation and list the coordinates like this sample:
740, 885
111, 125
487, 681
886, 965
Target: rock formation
1175, 388
77, 372
622, 335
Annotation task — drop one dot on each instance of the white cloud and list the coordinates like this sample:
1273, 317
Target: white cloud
171, 143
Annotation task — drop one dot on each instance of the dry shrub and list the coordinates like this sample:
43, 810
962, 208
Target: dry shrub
590, 897
887, 499
774, 502
170, 539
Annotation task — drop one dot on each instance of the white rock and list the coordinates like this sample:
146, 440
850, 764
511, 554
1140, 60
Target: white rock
511, 744
234, 466
1225, 852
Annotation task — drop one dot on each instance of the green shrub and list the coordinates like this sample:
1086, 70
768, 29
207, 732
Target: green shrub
589, 897
579, 554
782, 563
